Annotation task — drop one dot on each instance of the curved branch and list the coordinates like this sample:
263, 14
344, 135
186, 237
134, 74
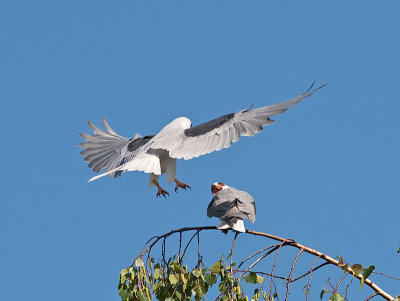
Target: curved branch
284, 242
291, 272
327, 258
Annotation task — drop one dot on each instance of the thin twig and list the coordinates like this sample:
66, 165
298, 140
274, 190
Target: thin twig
180, 245
291, 272
382, 274
163, 251
309, 278
370, 297
190, 240
231, 257
198, 247
273, 267
256, 253
257, 261
309, 272
341, 279
233, 245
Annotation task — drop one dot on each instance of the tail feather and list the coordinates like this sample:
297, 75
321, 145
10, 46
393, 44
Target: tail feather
104, 150
236, 224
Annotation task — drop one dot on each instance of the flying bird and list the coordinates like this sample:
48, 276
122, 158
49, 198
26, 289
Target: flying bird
157, 154
231, 206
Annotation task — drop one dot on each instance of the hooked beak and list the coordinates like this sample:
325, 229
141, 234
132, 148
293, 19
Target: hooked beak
215, 187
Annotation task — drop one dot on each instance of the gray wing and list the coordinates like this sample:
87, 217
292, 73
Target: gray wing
231, 202
223, 131
109, 150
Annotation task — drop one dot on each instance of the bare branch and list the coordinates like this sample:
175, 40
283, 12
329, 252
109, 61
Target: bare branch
341, 279
388, 276
291, 272
370, 297
327, 258
309, 278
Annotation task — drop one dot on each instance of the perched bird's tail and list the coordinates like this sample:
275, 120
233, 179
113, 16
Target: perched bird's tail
235, 224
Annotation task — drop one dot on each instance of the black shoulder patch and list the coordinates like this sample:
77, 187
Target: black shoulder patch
208, 126
135, 144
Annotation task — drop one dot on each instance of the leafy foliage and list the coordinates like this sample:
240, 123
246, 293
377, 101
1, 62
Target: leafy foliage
173, 280
356, 270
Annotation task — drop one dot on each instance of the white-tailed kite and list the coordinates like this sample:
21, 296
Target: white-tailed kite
157, 154
231, 206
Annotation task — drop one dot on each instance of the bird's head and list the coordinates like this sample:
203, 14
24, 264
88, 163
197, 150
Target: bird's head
217, 186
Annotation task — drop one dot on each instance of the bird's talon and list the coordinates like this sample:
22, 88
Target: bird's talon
162, 192
181, 185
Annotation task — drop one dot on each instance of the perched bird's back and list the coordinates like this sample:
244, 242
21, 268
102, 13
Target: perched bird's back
232, 203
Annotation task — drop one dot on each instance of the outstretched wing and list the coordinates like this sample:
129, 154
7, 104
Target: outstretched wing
223, 131
108, 150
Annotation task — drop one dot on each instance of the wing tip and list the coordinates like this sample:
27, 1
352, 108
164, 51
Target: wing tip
310, 90
94, 178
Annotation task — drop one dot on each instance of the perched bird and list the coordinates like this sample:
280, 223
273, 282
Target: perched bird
231, 206
157, 154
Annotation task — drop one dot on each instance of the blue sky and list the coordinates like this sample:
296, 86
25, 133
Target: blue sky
325, 174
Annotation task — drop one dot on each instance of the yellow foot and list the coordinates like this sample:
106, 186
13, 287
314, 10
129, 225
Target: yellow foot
181, 185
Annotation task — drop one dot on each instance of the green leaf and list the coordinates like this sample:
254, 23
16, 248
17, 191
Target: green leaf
203, 287
155, 286
210, 279
345, 267
251, 278
173, 279
124, 294
357, 268
259, 279
336, 297
139, 262
122, 276
361, 283
196, 273
324, 290
184, 278
365, 274
216, 267
169, 299
141, 296
341, 263
264, 295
